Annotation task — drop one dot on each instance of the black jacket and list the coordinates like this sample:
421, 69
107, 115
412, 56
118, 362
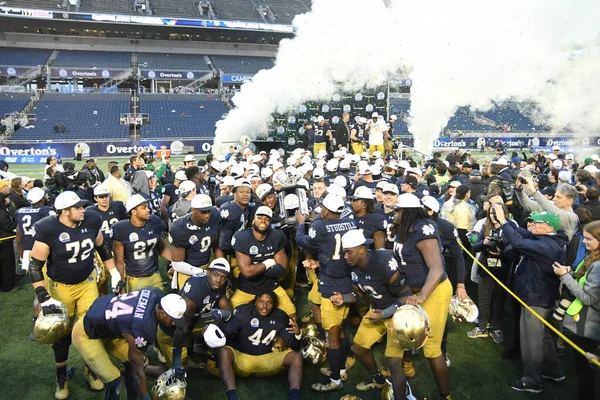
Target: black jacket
594, 207
341, 135
8, 222
477, 188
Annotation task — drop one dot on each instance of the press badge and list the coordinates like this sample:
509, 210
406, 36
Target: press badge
494, 262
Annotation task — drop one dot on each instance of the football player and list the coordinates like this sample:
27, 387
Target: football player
357, 135
123, 327
138, 242
26, 218
325, 235
419, 254
66, 242
234, 217
110, 212
261, 258
372, 224
390, 196
257, 325
205, 298
194, 239
377, 275
170, 194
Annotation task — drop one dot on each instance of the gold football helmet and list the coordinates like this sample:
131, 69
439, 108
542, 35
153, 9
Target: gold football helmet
349, 397
49, 328
169, 387
409, 327
278, 345
314, 350
387, 392
463, 311
310, 330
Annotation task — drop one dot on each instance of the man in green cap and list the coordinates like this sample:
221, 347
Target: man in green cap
541, 244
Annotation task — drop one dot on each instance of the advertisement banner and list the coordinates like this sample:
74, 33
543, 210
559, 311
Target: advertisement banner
36, 153
172, 74
14, 71
227, 78
57, 72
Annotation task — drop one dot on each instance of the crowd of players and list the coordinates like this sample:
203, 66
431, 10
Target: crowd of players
379, 233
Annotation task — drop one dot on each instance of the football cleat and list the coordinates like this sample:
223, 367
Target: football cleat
327, 372
350, 361
369, 385
92, 380
329, 386
62, 390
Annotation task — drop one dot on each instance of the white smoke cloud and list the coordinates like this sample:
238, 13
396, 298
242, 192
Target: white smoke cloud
456, 53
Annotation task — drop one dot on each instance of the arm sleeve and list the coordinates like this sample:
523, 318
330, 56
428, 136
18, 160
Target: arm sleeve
589, 294
226, 231
232, 326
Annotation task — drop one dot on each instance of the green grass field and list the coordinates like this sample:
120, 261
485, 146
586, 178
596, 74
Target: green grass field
477, 372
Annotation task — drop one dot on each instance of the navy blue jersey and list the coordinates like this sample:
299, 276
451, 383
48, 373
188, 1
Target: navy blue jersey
141, 255
233, 219
197, 240
371, 223
132, 313
321, 133
326, 237
371, 185
452, 252
388, 178
375, 277
255, 333
172, 191
410, 259
71, 258
116, 212
203, 189
197, 289
390, 238
223, 199
347, 212
155, 200
360, 132
259, 251
26, 218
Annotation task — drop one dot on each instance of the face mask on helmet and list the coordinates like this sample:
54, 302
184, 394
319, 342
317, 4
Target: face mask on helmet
49, 328
169, 387
463, 311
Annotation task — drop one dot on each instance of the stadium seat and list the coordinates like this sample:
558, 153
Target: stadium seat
241, 65
13, 102
16, 57
92, 59
173, 62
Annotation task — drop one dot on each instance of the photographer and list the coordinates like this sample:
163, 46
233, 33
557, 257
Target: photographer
540, 245
498, 256
561, 206
582, 318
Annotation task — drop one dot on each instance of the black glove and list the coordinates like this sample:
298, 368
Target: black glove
42, 294
216, 315
118, 288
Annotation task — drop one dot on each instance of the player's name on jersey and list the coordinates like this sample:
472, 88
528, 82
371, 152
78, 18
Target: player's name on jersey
140, 309
341, 227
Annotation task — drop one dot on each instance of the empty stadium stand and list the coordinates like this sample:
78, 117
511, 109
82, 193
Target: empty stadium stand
86, 117
241, 65
173, 62
179, 8
114, 6
92, 59
180, 116
286, 10
13, 102
240, 10
17, 57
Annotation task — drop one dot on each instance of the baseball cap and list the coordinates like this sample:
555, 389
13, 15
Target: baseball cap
431, 203
542, 180
552, 156
501, 161
135, 201
180, 176
475, 172
365, 170
237, 170
570, 157
101, 190
241, 182
363, 192
403, 164
393, 117
416, 171
340, 180
549, 191
216, 165
376, 170
410, 181
264, 210
333, 203
175, 306
256, 158
354, 238
276, 165
150, 174
189, 157
337, 190
376, 154
391, 188
546, 218
365, 155
344, 165
304, 183
35, 195
263, 190
362, 120
588, 160
374, 115
332, 165
220, 264
291, 202
228, 180
26, 179
565, 176
266, 172
202, 202
68, 199
381, 185
555, 148
516, 160
408, 200
592, 169
454, 184
318, 173
557, 164
186, 186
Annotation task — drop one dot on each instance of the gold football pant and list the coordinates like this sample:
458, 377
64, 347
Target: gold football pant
137, 283
78, 297
96, 352
263, 366
370, 332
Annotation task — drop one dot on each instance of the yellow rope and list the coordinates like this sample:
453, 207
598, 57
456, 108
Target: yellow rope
7, 238
552, 328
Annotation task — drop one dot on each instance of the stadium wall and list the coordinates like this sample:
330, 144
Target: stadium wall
54, 42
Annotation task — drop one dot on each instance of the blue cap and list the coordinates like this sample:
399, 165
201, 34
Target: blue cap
516, 160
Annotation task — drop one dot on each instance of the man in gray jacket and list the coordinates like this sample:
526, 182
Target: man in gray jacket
561, 205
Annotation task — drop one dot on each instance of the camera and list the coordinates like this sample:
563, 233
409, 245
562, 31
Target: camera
494, 242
